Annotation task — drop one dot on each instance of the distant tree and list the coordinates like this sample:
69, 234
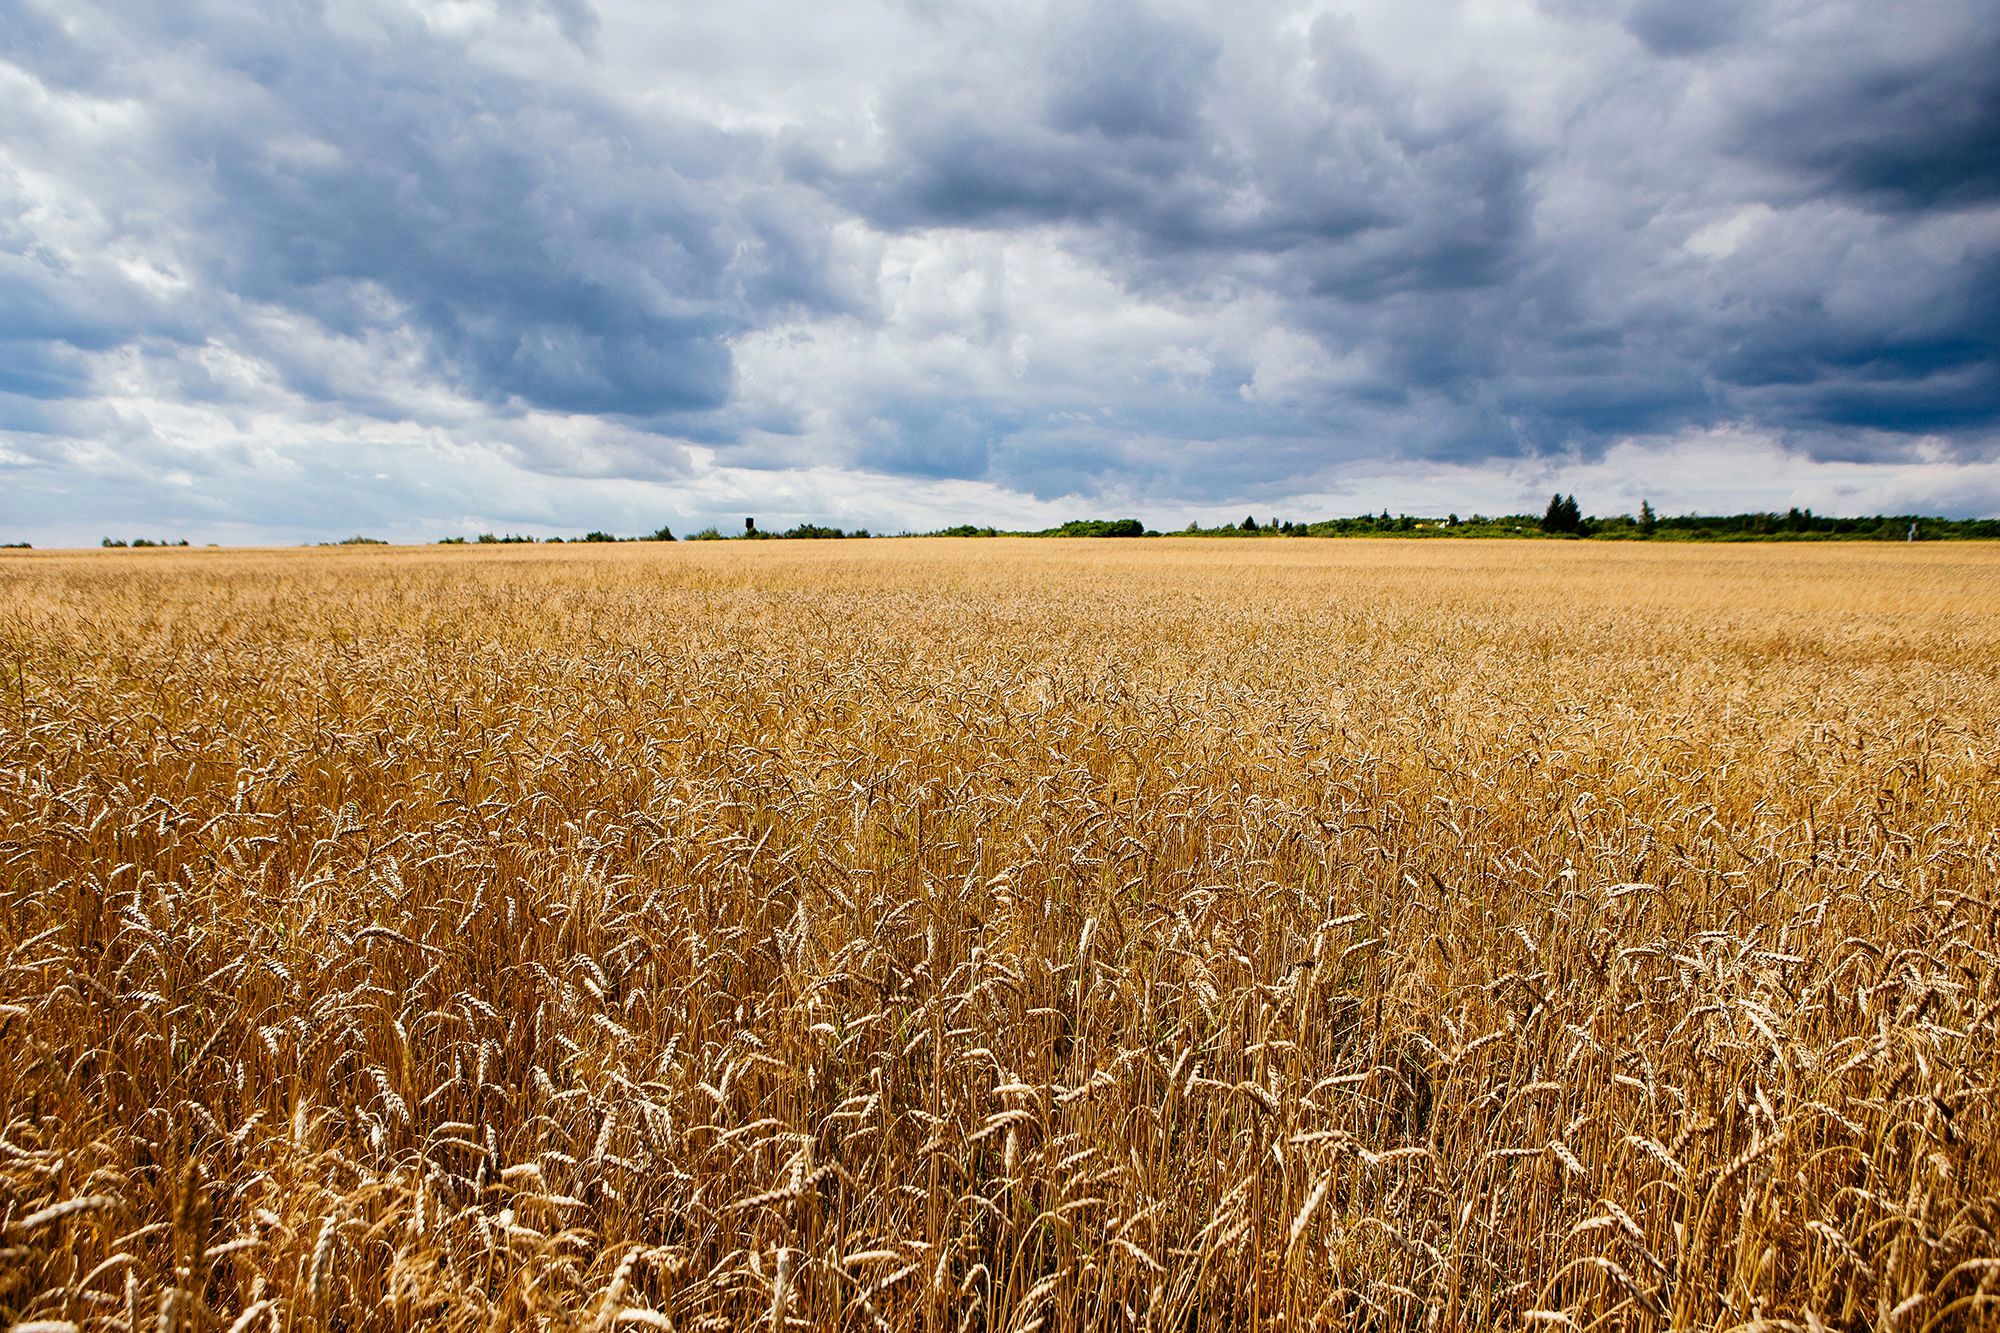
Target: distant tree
1563, 516
1249, 523
663, 533
599, 537
1451, 520
1649, 522
108, 542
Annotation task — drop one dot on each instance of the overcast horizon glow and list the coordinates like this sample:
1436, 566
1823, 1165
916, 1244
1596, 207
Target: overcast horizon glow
285, 272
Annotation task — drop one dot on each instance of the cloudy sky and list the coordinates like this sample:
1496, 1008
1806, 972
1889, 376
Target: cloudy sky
288, 271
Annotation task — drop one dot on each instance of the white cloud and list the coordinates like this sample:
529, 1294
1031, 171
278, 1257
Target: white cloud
1720, 239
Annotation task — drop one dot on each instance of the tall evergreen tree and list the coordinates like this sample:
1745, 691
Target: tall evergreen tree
1563, 515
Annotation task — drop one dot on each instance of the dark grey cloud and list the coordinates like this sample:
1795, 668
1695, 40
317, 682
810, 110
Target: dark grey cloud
1125, 73
1392, 214
1124, 248
1690, 27
1368, 189
552, 249
1893, 127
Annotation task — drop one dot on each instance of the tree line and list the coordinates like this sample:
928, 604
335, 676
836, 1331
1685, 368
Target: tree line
1563, 518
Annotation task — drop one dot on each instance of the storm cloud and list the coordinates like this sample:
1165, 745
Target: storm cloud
283, 270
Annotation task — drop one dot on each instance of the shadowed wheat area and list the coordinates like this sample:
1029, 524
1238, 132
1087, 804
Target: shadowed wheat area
991, 935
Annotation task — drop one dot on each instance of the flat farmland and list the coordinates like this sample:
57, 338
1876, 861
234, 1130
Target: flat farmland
1001, 934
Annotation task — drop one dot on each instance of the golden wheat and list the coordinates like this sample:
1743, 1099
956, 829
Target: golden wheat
999, 935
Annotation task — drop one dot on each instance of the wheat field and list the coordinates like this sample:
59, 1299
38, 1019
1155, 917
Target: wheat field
999, 935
